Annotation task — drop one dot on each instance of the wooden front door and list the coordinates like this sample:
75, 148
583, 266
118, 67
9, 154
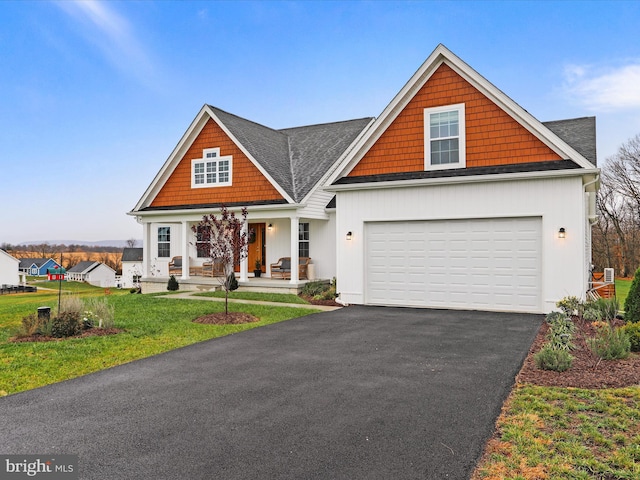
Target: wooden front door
256, 246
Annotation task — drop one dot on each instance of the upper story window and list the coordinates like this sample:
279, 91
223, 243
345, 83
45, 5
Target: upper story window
212, 170
444, 137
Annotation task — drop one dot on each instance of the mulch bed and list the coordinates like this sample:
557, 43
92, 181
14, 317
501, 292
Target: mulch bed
329, 303
587, 371
232, 318
91, 332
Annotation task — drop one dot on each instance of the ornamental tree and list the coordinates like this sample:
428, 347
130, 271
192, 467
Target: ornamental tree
223, 239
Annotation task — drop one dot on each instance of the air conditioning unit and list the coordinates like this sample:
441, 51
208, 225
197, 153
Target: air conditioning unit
608, 275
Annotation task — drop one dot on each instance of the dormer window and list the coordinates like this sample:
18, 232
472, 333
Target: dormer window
444, 134
212, 170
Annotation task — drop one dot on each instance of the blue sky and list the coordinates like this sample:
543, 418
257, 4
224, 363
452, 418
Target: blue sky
95, 95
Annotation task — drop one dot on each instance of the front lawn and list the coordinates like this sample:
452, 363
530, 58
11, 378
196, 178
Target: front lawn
565, 433
152, 325
259, 296
622, 290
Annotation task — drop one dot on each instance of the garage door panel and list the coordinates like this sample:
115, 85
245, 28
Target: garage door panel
482, 263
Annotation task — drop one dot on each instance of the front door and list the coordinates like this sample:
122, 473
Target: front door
256, 246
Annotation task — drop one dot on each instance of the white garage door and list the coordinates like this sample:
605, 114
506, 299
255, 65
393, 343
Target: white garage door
482, 264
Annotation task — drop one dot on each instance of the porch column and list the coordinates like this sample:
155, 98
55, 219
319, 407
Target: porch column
295, 222
185, 250
244, 274
146, 248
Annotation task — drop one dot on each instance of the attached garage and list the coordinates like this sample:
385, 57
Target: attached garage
485, 264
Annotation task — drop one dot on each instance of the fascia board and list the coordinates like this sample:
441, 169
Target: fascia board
275, 184
204, 211
172, 161
501, 177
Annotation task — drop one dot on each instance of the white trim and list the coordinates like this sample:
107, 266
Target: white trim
462, 160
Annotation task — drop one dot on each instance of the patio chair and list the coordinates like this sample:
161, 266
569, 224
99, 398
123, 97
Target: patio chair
282, 268
213, 269
175, 266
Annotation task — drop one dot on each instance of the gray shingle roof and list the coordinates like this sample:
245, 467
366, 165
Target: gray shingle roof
130, 254
579, 133
296, 158
27, 262
84, 266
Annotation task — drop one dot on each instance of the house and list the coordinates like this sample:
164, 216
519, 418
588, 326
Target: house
93, 273
9, 271
56, 274
37, 266
454, 197
131, 267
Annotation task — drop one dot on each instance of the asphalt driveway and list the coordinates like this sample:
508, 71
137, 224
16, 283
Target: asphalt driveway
358, 393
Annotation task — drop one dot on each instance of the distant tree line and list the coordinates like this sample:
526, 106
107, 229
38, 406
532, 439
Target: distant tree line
616, 234
111, 256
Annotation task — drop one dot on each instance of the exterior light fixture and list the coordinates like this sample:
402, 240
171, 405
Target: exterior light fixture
270, 226
562, 233
349, 234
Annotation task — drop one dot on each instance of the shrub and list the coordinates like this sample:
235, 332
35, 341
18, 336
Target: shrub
632, 303
67, 324
317, 287
231, 282
560, 333
610, 343
172, 284
571, 306
633, 331
549, 358
98, 313
71, 304
30, 325
604, 309
551, 316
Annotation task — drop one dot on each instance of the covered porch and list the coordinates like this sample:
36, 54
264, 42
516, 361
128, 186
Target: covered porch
209, 284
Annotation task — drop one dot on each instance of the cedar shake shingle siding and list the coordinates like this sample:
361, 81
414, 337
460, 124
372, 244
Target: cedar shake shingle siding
492, 136
248, 183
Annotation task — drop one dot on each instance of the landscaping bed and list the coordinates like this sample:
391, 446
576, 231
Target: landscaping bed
587, 371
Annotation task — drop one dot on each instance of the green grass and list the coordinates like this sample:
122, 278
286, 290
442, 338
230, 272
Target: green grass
622, 290
152, 325
566, 433
263, 297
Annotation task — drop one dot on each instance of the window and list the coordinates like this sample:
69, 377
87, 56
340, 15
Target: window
211, 170
164, 242
202, 242
444, 133
303, 240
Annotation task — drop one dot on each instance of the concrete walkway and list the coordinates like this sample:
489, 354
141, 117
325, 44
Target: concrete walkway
193, 296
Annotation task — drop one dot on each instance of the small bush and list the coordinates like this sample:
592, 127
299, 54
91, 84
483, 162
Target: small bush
549, 358
610, 343
560, 333
317, 287
571, 306
604, 309
231, 282
30, 325
71, 304
67, 324
98, 313
551, 316
633, 332
632, 303
172, 284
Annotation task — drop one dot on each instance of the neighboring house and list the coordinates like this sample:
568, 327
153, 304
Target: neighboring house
37, 266
131, 267
9, 271
94, 273
454, 197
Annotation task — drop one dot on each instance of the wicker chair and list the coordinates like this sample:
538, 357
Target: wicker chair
282, 268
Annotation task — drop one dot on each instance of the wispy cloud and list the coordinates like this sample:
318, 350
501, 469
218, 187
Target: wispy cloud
112, 34
604, 89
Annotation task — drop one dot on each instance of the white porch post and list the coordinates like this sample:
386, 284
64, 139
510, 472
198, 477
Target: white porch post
244, 275
185, 250
146, 248
295, 222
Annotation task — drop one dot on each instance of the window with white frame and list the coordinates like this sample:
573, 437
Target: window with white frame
164, 242
212, 170
303, 240
203, 235
444, 134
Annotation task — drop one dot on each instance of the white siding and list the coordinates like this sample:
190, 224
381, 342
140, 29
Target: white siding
558, 202
9, 269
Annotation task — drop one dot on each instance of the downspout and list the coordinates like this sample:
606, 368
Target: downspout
592, 218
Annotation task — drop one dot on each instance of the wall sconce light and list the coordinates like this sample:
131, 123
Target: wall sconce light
270, 226
349, 235
562, 233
